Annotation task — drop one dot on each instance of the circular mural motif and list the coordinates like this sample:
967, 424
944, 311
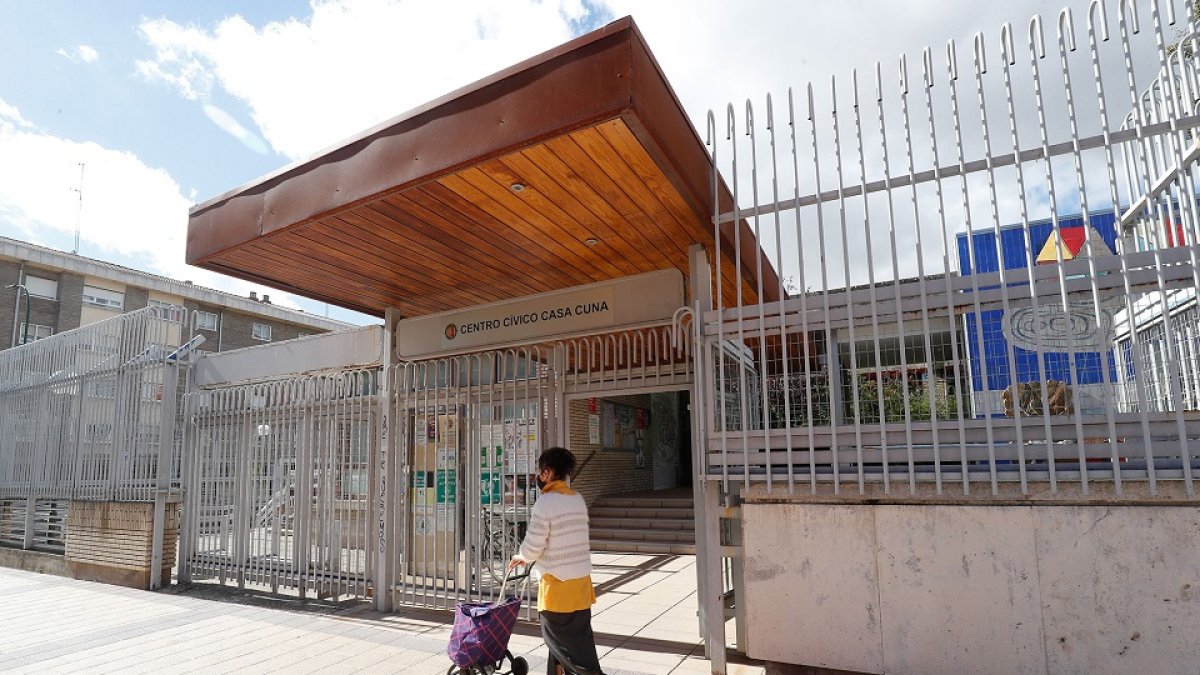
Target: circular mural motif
1078, 329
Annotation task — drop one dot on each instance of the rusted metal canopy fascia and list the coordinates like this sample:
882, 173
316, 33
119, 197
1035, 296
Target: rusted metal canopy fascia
578, 84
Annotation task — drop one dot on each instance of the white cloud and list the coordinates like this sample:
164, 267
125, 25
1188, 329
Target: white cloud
11, 117
232, 127
129, 209
179, 58
79, 53
353, 63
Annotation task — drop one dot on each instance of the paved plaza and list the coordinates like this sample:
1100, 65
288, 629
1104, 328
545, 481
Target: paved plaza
644, 618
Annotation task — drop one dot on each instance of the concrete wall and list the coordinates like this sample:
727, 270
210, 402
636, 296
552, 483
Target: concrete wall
973, 589
136, 298
70, 301
237, 329
359, 348
43, 311
10, 273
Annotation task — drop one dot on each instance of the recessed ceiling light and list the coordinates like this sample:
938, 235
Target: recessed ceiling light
517, 187
591, 241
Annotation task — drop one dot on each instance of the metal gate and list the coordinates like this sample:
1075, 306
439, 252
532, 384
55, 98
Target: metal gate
990, 261
278, 479
411, 484
467, 433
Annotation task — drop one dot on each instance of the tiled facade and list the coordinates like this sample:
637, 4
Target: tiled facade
236, 315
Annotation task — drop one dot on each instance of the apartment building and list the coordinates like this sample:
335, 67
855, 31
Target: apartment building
66, 291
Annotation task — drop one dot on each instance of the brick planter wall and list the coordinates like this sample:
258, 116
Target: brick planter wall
112, 542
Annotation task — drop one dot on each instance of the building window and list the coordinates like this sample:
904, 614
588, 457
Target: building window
152, 391
206, 321
168, 311
261, 331
98, 433
36, 332
102, 297
102, 388
41, 288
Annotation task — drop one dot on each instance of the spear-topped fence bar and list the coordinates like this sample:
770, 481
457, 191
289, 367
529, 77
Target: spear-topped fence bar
1001, 288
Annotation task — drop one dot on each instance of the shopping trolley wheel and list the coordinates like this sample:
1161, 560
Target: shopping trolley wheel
520, 666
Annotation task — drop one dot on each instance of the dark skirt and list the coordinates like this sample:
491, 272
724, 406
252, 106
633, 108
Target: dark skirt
569, 639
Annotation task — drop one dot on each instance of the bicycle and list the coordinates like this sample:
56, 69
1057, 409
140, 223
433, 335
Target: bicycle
502, 529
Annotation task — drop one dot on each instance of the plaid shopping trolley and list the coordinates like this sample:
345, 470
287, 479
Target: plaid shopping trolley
479, 639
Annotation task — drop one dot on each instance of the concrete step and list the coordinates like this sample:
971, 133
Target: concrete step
664, 536
645, 523
635, 546
646, 502
643, 513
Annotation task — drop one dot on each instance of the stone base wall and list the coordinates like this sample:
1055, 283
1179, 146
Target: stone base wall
957, 588
33, 561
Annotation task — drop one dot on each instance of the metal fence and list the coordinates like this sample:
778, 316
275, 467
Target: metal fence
412, 482
87, 415
990, 264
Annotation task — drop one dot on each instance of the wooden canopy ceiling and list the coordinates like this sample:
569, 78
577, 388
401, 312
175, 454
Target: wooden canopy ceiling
576, 166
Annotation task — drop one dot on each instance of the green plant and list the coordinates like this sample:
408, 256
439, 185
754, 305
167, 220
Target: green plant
892, 403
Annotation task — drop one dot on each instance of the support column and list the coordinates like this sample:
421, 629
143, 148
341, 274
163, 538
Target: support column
30, 520
386, 491
243, 515
706, 493
162, 480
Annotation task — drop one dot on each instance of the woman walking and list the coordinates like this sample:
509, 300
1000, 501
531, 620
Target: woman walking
559, 542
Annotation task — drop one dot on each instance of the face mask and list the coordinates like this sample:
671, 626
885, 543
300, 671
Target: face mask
540, 483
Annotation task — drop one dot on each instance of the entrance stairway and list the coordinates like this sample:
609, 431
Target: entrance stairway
659, 522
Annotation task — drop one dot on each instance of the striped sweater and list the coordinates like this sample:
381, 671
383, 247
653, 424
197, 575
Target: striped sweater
557, 538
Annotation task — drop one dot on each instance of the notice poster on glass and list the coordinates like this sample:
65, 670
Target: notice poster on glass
521, 444
624, 427
516, 490
491, 462
434, 502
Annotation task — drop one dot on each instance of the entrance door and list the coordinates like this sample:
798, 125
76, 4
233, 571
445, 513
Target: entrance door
473, 427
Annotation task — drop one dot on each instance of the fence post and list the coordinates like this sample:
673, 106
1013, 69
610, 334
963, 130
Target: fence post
30, 519
557, 397
706, 494
189, 465
385, 493
162, 480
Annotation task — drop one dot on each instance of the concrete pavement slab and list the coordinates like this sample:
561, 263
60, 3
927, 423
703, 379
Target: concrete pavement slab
645, 621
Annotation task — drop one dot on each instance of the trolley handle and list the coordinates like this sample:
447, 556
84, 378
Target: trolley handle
509, 576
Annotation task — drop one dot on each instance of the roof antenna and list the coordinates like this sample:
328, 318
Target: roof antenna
79, 211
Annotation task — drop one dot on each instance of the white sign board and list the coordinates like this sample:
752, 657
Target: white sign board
608, 304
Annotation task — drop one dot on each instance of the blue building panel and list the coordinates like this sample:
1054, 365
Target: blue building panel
986, 342
1012, 243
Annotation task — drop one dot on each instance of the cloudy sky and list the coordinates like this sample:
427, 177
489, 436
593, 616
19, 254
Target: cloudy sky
170, 103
